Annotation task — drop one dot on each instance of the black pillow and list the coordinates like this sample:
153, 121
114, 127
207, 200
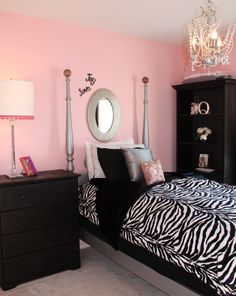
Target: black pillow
113, 164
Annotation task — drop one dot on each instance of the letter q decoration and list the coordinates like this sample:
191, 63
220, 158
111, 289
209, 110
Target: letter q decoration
203, 107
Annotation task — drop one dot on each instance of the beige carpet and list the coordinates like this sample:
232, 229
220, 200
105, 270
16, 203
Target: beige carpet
98, 276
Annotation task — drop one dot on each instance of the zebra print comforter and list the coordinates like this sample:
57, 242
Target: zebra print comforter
191, 223
87, 202
188, 222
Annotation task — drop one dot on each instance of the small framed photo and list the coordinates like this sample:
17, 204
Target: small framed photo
28, 166
203, 160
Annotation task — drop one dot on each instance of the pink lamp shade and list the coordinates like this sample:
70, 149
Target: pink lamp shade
16, 99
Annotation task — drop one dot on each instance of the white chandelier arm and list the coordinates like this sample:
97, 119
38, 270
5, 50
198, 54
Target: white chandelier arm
208, 46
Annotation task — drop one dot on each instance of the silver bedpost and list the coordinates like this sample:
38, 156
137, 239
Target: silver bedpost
145, 81
69, 129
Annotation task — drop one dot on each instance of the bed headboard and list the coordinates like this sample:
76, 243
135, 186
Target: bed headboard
69, 128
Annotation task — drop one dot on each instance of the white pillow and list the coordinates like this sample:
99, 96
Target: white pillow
89, 161
97, 170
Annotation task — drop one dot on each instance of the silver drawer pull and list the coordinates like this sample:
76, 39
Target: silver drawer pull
21, 196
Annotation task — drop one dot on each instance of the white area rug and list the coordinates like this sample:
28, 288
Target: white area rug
98, 276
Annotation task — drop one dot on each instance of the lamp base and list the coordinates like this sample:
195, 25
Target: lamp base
17, 176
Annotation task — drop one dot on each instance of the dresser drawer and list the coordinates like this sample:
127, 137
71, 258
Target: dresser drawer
34, 194
22, 268
35, 240
27, 219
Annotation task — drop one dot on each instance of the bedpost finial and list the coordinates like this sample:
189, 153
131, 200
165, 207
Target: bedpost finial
67, 72
145, 80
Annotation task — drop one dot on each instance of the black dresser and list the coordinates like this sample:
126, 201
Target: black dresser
39, 232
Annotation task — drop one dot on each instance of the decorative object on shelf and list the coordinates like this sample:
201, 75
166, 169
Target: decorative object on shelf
203, 160
200, 108
203, 107
206, 46
203, 133
91, 81
145, 81
203, 164
28, 166
194, 108
69, 130
16, 102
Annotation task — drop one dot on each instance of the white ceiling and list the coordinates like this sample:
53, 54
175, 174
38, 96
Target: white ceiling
163, 20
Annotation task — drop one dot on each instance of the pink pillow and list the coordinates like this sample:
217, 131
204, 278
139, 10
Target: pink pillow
152, 172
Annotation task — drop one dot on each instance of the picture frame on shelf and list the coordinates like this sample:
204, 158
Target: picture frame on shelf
203, 164
203, 160
28, 166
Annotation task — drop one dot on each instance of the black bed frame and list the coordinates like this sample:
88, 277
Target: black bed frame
136, 259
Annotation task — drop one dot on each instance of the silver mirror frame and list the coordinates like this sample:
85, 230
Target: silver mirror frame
91, 111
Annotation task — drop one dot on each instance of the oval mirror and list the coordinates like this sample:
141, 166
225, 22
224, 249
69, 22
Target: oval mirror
103, 114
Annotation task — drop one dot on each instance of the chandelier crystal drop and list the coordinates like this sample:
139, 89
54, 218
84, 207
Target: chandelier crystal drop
209, 45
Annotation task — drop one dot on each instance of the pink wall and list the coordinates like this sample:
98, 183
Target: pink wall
39, 50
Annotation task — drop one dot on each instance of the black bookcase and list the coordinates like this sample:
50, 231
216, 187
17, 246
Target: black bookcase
220, 146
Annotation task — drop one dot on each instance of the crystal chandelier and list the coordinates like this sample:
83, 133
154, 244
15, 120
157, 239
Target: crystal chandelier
208, 46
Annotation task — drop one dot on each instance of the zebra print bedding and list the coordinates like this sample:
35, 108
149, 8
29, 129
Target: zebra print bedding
188, 222
87, 202
191, 223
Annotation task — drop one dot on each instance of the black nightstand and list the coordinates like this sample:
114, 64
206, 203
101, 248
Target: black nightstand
39, 232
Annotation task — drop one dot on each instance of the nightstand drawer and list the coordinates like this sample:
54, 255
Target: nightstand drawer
23, 196
35, 240
27, 219
22, 268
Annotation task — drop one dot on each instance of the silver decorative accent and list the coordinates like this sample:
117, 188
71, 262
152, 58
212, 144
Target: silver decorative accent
145, 140
14, 173
69, 129
100, 94
208, 46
